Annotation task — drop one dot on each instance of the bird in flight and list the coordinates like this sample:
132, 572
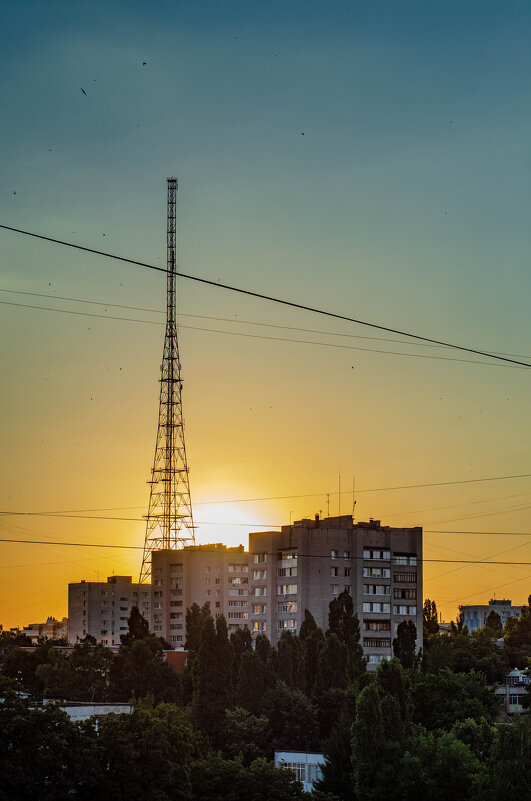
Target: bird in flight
83, 91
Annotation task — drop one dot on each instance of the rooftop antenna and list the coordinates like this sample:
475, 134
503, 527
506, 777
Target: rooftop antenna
353, 495
169, 521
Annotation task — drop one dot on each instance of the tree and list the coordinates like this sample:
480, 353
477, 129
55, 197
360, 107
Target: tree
459, 627
82, 676
195, 619
251, 684
405, 642
214, 778
337, 749
308, 626
40, 752
510, 762
441, 700
138, 627
494, 623
144, 756
139, 670
430, 619
246, 735
292, 719
368, 753
211, 678
287, 662
341, 618
240, 641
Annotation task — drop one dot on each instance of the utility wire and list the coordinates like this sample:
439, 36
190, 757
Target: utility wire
263, 336
205, 549
232, 320
288, 497
270, 298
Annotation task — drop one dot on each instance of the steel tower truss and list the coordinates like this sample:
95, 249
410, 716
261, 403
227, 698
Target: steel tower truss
169, 522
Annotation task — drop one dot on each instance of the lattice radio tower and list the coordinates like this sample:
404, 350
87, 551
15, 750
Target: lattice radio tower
169, 522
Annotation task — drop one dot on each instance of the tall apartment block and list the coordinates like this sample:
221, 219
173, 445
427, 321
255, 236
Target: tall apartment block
307, 564
212, 574
101, 608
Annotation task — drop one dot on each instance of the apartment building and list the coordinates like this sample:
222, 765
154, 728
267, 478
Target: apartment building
212, 574
102, 608
307, 564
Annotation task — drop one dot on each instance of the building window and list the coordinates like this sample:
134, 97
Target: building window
333, 554
376, 589
287, 606
239, 580
334, 571
406, 593
207, 592
288, 555
176, 603
217, 581
347, 572
282, 572
218, 604
514, 699
377, 625
403, 578
238, 568
259, 574
207, 570
371, 553
404, 559
375, 659
259, 625
334, 589
376, 642
377, 607
404, 610
287, 624
176, 568
285, 589
376, 572
238, 603
259, 557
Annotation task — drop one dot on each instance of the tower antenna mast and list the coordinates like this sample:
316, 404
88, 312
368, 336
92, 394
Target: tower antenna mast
169, 521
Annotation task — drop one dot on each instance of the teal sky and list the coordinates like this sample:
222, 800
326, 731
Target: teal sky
368, 158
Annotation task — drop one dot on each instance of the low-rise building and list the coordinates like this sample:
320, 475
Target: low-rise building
52, 629
307, 767
511, 692
475, 615
102, 608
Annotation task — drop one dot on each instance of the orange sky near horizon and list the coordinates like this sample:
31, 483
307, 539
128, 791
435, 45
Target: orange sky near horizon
374, 164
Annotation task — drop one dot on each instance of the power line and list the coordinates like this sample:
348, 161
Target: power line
230, 320
289, 497
264, 337
270, 298
74, 516
205, 549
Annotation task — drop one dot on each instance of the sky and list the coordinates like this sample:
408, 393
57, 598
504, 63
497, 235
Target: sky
370, 159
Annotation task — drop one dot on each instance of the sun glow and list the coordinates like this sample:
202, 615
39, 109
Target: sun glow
227, 523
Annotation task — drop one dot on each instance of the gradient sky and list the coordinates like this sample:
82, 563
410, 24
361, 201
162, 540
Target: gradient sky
405, 203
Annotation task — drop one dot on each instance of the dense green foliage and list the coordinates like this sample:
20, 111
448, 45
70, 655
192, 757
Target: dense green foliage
422, 727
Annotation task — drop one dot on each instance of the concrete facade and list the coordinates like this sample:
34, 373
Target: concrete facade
200, 574
307, 564
101, 608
